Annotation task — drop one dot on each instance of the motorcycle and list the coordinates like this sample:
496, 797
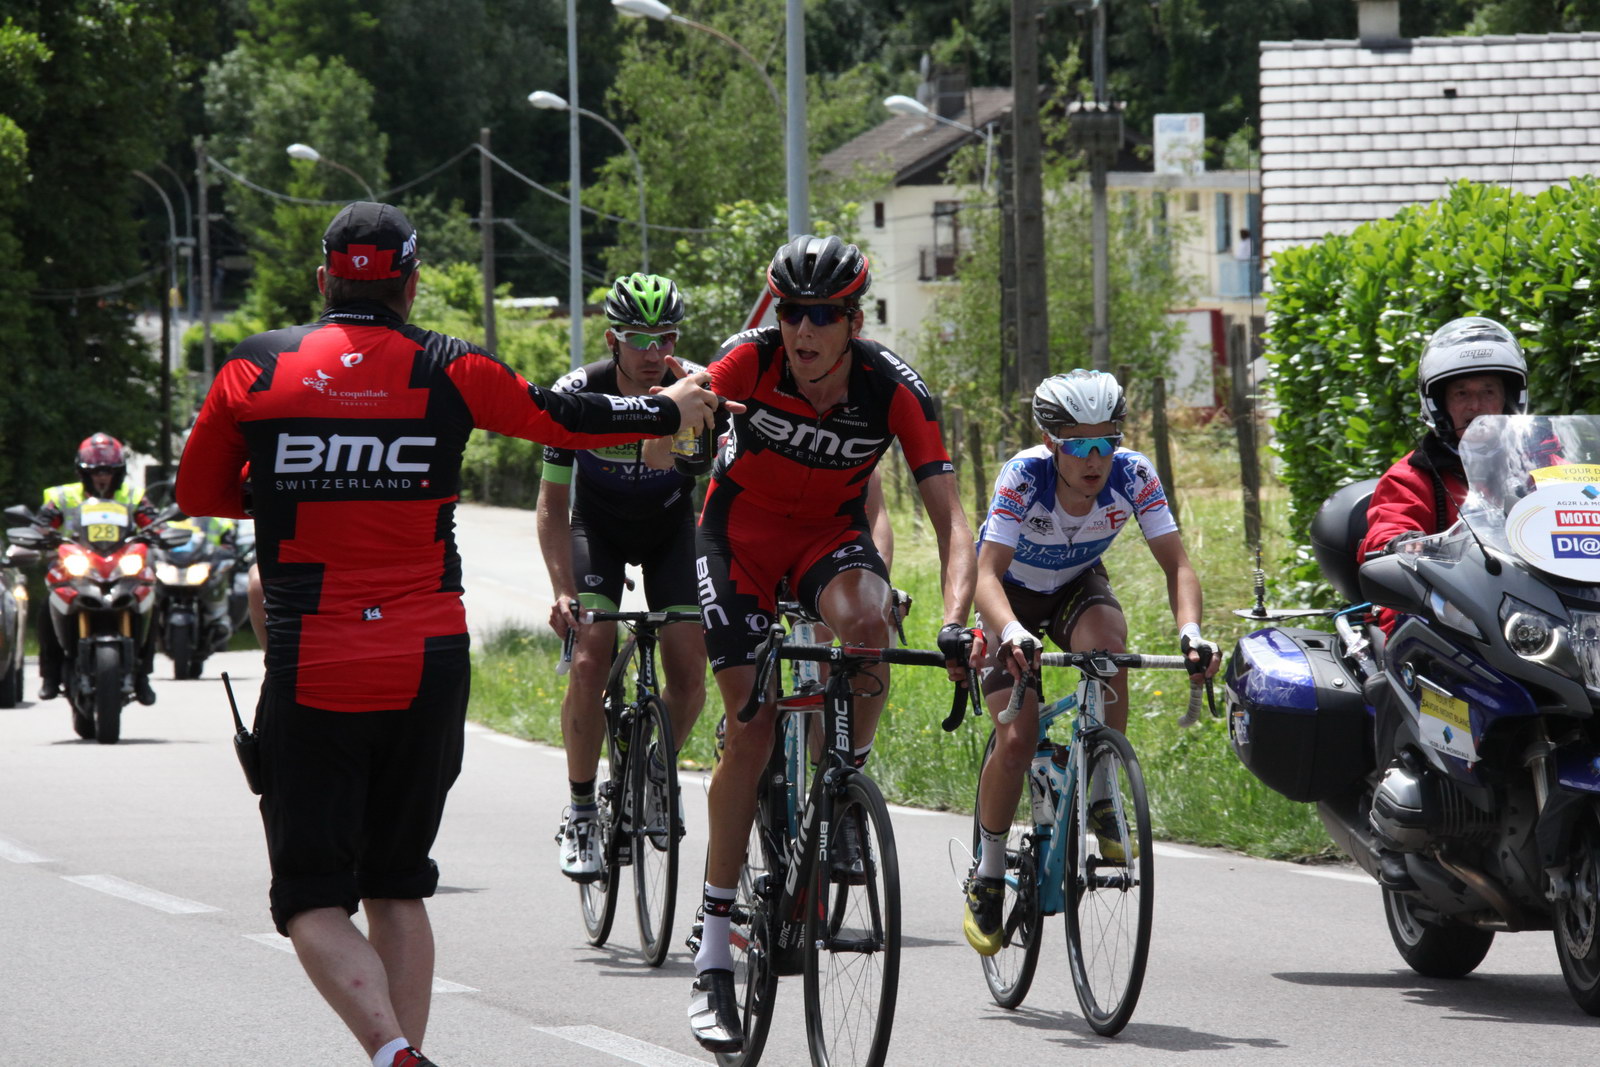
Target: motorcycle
101, 593
1463, 744
239, 594
194, 581
13, 622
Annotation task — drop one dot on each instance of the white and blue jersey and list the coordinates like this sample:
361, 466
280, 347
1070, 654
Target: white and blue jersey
1051, 547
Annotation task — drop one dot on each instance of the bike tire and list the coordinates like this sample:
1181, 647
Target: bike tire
107, 694
10, 687
598, 899
755, 981
1009, 972
658, 832
180, 646
1110, 908
1577, 930
852, 943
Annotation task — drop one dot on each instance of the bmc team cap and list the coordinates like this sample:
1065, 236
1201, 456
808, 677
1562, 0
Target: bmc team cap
368, 242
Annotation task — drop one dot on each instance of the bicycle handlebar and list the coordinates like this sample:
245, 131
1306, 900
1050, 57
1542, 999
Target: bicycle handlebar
1103, 665
774, 649
654, 618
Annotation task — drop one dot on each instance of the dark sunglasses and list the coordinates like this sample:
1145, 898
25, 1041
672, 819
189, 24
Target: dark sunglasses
819, 314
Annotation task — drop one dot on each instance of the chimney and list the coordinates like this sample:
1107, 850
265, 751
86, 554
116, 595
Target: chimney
951, 91
1378, 21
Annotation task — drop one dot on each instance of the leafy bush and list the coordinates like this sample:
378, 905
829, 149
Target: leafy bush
1348, 317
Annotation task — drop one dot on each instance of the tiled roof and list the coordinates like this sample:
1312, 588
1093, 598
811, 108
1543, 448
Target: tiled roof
1350, 133
906, 144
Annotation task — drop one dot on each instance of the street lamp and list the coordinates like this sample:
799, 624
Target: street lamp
311, 155
797, 165
551, 102
654, 9
166, 324
906, 105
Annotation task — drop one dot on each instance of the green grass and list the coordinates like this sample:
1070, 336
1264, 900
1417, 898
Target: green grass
1199, 791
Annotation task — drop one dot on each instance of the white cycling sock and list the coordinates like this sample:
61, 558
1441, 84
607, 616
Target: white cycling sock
384, 1057
991, 853
714, 952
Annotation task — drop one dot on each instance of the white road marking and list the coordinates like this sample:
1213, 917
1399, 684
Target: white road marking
621, 1046
15, 853
283, 944
111, 885
1341, 876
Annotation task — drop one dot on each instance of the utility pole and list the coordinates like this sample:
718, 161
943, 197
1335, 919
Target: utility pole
208, 363
486, 232
1009, 386
1033, 321
1096, 130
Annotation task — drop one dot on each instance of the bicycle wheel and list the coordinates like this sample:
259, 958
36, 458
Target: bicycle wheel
599, 897
658, 829
852, 943
1109, 905
1009, 972
749, 936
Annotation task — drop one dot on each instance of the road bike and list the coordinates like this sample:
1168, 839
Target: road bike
809, 901
640, 820
1070, 854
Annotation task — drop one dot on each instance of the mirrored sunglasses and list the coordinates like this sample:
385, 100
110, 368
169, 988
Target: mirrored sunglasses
643, 341
1084, 447
819, 314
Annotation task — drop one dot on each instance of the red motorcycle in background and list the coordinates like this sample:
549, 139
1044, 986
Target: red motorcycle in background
101, 586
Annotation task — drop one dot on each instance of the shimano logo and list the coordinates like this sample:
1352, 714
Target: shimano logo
305, 453
805, 435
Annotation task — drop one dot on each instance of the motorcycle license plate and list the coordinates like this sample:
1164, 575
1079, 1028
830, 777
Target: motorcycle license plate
105, 531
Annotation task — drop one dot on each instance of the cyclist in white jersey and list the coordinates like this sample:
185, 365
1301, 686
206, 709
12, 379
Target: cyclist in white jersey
1056, 509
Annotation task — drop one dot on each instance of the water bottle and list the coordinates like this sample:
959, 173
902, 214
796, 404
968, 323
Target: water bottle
1041, 785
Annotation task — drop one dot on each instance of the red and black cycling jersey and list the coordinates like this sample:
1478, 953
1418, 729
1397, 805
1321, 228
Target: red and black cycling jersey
794, 462
354, 428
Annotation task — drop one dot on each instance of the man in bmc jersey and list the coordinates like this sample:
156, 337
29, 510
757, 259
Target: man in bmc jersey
1056, 509
787, 499
354, 428
102, 465
629, 503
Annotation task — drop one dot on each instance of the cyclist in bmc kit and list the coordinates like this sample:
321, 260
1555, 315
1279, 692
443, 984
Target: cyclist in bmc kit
787, 499
629, 503
1056, 509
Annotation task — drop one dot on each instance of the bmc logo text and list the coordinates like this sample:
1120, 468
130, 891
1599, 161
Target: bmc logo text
304, 453
805, 435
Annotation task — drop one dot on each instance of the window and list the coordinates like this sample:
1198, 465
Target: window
883, 312
1224, 222
877, 214
946, 237
1191, 203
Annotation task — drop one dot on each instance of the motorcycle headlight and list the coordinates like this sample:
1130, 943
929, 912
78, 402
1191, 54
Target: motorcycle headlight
167, 574
129, 566
1548, 641
197, 573
75, 564
1586, 646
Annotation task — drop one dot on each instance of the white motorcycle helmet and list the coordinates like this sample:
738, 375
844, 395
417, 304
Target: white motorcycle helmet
1080, 397
1469, 346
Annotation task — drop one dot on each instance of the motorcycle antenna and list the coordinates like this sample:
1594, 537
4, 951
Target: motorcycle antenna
1260, 610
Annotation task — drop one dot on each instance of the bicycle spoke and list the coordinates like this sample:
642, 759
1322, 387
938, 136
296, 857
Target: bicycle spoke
1009, 972
656, 828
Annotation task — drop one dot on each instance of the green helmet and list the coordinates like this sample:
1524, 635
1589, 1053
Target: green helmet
645, 300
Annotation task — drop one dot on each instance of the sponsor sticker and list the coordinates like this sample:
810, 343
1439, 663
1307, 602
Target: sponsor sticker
1446, 723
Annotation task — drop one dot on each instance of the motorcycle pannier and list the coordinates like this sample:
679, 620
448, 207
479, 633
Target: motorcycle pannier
1296, 717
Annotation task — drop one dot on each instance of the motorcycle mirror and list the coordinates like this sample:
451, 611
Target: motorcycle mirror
172, 538
167, 514
20, 512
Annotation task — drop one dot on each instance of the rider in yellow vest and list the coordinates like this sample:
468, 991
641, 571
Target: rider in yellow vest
102, 468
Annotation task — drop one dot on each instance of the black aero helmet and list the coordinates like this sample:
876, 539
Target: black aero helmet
645, 300
821, 268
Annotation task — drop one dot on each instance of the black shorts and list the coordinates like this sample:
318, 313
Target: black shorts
351, 800
1052, 615
663, 547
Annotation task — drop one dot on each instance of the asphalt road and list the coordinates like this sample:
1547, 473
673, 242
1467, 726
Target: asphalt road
134, 929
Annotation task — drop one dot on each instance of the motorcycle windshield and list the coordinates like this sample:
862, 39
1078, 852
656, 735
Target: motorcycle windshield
1534, 491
